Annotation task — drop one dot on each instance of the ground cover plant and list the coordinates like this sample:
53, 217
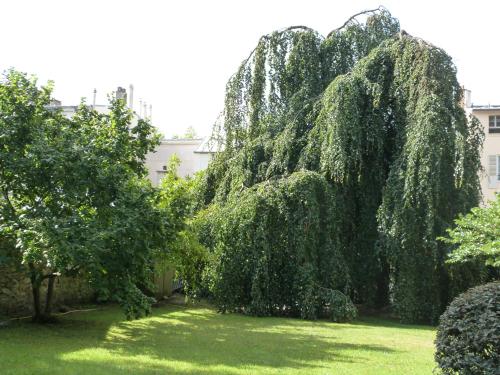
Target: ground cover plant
198, 340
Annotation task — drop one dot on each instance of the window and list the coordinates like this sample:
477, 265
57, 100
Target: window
494, 124
498, 167
159, 176
493, 170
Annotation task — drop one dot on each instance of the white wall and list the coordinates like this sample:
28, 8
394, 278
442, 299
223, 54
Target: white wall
185, 149
491, 147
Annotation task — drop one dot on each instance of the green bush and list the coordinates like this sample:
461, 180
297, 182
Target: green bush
468, 338
338, 307
272, 251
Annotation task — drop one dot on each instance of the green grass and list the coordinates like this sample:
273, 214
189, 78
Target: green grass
197, 340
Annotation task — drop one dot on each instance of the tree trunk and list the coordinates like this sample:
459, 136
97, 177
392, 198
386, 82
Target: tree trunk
50, 294
35, 287
382, 296
36, 302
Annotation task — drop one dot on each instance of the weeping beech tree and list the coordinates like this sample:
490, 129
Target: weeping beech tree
275, 253
378, 114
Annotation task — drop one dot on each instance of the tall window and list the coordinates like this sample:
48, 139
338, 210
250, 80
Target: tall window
498, 167
493, 170
494, 124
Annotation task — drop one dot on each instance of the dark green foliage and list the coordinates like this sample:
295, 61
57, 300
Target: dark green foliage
274, 252
468, 335
378, 114
73, 197
337, 306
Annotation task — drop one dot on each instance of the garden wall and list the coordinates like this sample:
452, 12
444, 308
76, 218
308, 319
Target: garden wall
164, 282
16, 297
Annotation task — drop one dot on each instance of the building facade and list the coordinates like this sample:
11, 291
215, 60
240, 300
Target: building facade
489, 116
194, 155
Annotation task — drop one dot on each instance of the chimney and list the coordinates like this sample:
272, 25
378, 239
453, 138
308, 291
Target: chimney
131, 98
93, 100
467, 98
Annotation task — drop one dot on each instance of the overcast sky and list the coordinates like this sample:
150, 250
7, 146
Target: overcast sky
179, 54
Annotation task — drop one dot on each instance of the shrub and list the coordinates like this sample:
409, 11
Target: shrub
469, 333
337, 306
272, 251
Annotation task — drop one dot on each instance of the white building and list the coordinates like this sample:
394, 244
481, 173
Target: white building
121, 93
489, 116
194, 155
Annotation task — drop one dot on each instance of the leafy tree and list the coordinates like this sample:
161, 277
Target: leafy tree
190, 133
185, 253
377, 113
477, 235
73, 197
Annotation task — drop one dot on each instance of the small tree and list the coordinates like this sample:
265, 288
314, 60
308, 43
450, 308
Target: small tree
73, 197
190, 133
185, 252
477, 235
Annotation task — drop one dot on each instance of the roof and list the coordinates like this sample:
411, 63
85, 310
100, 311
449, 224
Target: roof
182, 141
75, 107
489, 107
208, 146
69, 110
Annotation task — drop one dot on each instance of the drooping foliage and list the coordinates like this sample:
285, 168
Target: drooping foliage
274, 252
377, 113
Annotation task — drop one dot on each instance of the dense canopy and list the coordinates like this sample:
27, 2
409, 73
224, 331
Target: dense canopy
73, 198
374, 113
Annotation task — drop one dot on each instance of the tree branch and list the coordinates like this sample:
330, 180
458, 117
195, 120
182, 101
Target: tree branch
51, 275
11, 206
291, 28
353, 17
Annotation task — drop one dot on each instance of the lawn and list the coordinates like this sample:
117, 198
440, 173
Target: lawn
197, 340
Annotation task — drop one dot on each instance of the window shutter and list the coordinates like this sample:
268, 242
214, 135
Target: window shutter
492, 170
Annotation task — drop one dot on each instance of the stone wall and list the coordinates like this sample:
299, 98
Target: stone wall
16, 296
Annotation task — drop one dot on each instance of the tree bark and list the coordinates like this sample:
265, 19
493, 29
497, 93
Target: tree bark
50, 294
35, 287
382, 296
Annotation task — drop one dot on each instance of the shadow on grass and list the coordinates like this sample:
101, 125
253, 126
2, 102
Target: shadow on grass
177, 340
374, 322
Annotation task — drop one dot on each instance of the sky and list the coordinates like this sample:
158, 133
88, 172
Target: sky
180, 54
